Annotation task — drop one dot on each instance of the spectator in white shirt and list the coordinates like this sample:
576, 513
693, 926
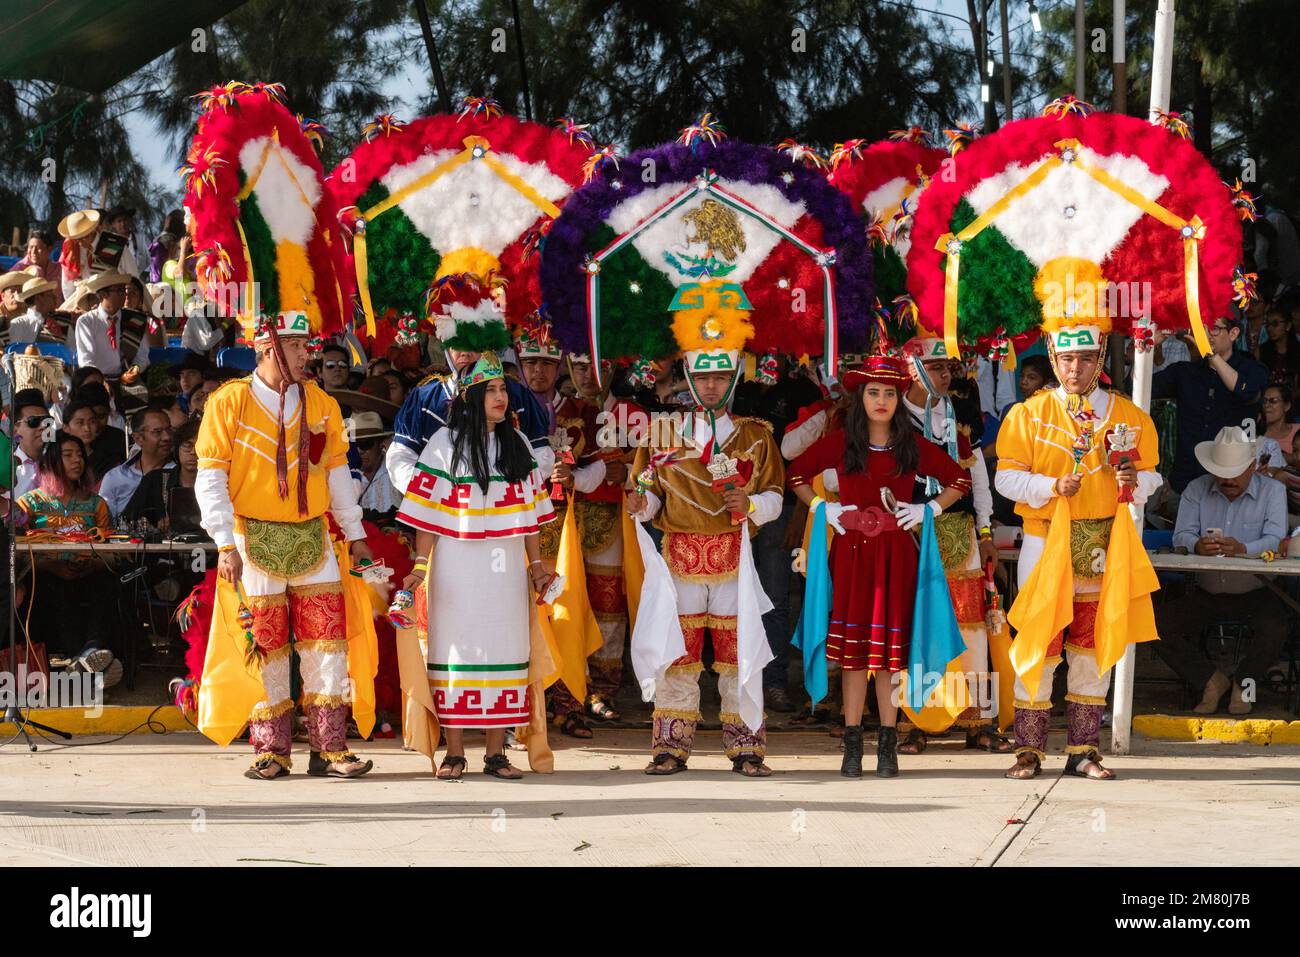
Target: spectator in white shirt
151, 429
99, 331
378, 498
32, 426
40, 296
200, 334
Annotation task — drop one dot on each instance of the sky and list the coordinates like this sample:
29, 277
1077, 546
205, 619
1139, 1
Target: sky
404, 90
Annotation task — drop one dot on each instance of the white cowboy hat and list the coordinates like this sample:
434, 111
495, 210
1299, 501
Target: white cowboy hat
368, 425
1230, 454
79, 224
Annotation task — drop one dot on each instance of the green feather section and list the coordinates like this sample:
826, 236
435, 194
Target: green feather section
261, 250
480, 337
890, 274
635, 324
402, 262
997, 282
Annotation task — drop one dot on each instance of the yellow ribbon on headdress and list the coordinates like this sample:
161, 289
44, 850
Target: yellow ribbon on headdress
471, 143
1191, 230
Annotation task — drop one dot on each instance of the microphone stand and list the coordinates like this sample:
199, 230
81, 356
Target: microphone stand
13, 714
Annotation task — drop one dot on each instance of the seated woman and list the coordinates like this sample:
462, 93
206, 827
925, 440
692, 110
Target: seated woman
71, 592
165, 497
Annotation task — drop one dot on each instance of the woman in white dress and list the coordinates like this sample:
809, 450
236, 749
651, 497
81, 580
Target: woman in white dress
476, 502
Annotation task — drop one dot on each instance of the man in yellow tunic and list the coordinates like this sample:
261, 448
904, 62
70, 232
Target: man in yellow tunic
272, 461
1081, 563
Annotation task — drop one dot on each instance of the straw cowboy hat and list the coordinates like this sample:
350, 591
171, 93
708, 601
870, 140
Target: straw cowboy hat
34, 286
80, 224
106, 279
1230, 454
14, 280
79, 292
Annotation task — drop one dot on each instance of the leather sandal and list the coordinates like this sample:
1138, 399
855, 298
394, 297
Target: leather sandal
659, 766
1075, 761
750, 766
915, 743
454, 765
497, 765
574, 725
262, 764
994, 743
320, 768
1025, 760
602, 710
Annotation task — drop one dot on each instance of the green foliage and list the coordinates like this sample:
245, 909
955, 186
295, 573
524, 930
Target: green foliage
639, 71
1234, 72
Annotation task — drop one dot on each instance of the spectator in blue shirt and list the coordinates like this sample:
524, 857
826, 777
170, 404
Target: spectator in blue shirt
1233, 512
1211, 393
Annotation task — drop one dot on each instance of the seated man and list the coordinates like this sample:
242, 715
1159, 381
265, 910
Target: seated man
1234, 512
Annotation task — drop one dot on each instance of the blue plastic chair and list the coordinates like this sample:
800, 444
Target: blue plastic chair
237, 357
46, 349
1157, 538
173, 355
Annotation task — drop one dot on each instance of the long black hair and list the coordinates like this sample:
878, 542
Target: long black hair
468, 423
902, 437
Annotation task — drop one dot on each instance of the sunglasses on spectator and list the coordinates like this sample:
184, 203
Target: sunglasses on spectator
334, 364
365, 445
35, 421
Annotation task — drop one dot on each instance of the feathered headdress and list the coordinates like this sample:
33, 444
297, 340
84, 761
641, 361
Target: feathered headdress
264, 219
1076, 222
729, 245
885, 181
455, 194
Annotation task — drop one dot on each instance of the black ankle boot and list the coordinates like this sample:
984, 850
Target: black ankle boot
851, 766
887, 753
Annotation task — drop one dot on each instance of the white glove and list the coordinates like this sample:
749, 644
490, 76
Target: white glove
911, 514
833, 512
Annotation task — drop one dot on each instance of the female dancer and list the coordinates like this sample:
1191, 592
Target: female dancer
879, 466
478, 496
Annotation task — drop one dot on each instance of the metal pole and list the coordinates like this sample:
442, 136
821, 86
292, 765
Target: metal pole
523, 62
439, 82
1119, 63
1078, 49
1007, 104
1162, 64
1118, 104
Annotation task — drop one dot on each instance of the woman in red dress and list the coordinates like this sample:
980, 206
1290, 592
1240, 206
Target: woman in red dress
879, 466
